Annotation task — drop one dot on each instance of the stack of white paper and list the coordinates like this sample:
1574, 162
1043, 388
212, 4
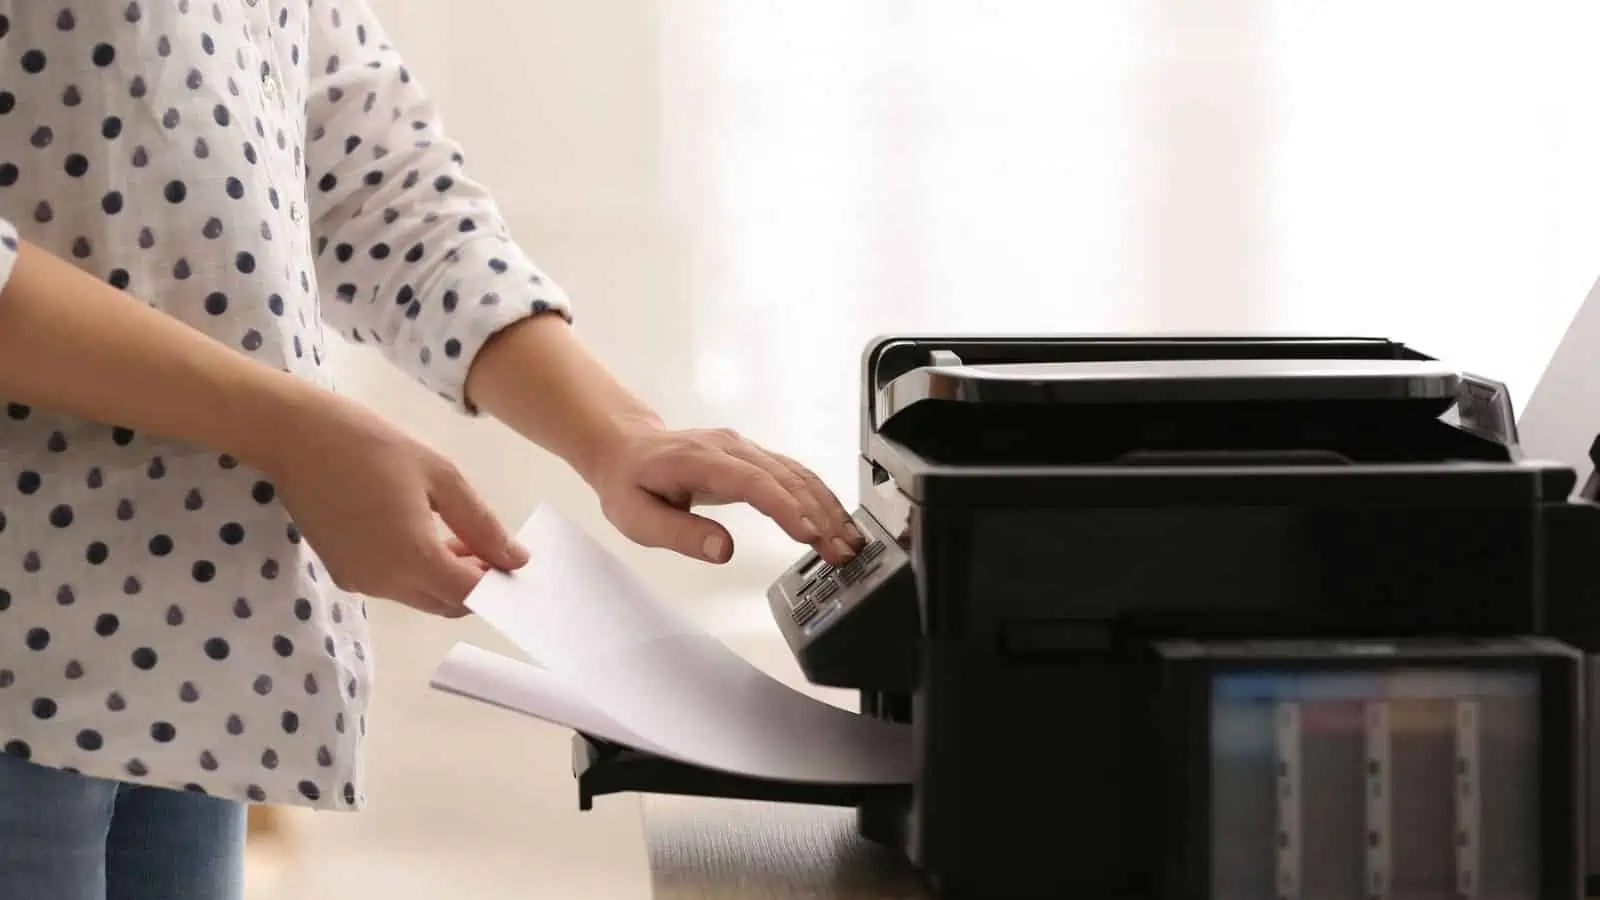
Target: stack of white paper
612, 660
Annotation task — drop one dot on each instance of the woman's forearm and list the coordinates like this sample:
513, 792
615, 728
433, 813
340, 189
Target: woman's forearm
73, 344
539, 379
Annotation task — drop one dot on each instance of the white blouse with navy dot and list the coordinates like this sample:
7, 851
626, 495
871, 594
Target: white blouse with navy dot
258, 169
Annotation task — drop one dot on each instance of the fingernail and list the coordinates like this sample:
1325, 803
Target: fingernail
715, 548
842, 548
810, 529
854, 533
517, 555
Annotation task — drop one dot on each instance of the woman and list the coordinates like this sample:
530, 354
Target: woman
190, 191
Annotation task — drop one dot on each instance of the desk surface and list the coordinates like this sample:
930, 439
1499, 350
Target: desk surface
709, 849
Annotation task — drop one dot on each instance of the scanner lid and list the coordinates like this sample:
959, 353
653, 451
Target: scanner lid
1140, 381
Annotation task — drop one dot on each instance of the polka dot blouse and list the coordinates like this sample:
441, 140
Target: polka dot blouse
262, 170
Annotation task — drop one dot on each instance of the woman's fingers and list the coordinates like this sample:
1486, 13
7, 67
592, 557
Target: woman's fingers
448, 578
816, 502
833, 512
649, 521
697, 469
470, 518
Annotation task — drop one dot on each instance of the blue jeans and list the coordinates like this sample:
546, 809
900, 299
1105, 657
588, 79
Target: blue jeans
70, 837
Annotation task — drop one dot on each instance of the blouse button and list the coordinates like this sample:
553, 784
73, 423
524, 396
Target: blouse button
296, 213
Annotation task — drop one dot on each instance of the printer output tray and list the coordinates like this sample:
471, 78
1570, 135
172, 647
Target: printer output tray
605, 767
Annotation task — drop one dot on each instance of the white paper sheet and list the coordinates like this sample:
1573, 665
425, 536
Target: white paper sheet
614, 656
574, 599
1562, 415
478, 674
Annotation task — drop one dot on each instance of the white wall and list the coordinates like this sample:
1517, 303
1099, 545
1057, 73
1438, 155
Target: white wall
1435, 174
738, 194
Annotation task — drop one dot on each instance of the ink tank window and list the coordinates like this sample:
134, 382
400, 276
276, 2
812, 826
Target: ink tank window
1388, 783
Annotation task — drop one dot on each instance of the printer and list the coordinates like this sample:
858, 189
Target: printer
1201, 618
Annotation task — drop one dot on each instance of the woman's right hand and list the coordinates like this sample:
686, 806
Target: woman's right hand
362, 492
365, 494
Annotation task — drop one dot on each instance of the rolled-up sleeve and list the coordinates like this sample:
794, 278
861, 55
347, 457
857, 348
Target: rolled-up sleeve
8, 252
412, 255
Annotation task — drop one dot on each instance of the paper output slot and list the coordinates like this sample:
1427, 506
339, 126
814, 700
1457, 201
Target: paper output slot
603, 767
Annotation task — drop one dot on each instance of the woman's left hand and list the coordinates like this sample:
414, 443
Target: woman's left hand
650, 478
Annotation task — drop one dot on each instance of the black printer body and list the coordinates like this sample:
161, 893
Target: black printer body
1202, 617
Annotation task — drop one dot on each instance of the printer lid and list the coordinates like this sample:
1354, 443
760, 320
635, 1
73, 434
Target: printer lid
1140, 381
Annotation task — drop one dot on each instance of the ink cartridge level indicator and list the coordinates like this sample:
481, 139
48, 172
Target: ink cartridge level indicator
1395, 784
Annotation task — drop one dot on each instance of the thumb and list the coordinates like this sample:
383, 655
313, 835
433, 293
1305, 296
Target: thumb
653, 523
472, 521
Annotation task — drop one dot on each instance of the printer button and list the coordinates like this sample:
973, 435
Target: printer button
821, 574
804, 611
824, 592
858, 568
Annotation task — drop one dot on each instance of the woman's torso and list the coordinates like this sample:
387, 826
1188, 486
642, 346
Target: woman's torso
160, 619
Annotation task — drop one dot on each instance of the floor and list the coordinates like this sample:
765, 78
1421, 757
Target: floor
468, 801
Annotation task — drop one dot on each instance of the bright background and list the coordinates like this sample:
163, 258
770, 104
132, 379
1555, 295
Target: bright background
738, 194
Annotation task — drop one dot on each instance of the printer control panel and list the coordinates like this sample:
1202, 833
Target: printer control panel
818, 597
855, 625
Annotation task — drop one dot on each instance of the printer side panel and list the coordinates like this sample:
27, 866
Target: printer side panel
1573, 616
